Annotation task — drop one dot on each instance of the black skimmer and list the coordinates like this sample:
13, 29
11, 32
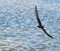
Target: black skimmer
40, 24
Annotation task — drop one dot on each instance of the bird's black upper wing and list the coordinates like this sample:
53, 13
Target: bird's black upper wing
47, 33
37, 16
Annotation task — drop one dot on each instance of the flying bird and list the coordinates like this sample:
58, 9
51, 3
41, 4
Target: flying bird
40, 24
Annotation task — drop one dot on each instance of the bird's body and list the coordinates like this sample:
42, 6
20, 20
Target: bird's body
39, 22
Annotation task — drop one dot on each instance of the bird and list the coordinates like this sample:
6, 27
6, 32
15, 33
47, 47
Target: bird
39, 22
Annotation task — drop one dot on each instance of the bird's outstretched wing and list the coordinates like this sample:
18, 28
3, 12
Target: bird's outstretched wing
47, 33
37, 16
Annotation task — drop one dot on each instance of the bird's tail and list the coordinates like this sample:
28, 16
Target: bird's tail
39, 26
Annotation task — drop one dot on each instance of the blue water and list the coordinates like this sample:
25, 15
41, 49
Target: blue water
18, 25
51, 0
